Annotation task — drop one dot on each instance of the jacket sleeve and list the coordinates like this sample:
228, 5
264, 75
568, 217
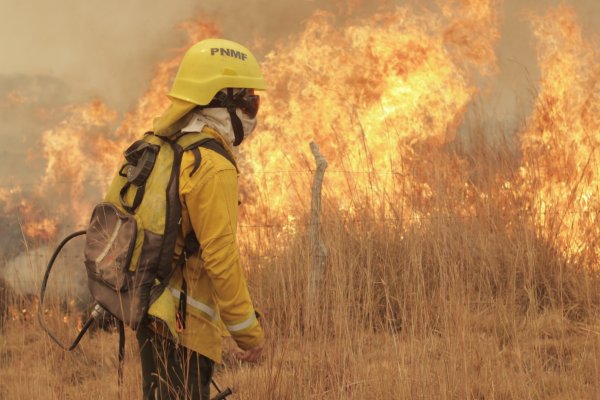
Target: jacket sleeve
213, 210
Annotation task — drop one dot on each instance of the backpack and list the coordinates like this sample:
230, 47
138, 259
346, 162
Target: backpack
130, 241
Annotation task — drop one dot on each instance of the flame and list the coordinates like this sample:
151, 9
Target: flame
76, 156
34, 225
30, 215
376, 95
382, 96
84, 149
561, 142
15, 98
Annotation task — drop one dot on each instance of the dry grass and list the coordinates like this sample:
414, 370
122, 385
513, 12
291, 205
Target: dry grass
457, 307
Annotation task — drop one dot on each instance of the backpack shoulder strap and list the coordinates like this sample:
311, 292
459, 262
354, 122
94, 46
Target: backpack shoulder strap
187, 139
192, 142
217, 147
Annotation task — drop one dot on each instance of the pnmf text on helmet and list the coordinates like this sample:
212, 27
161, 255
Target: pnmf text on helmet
229, 52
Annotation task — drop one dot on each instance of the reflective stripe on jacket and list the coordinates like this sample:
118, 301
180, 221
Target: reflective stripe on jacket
217, 293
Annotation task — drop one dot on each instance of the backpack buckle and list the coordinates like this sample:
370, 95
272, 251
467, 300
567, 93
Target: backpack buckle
180, 324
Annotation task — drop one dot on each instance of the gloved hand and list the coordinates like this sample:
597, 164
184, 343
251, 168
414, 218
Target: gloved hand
252, 355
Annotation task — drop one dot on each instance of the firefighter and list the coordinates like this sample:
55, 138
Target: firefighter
213, 93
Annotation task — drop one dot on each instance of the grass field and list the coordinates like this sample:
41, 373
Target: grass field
477, 306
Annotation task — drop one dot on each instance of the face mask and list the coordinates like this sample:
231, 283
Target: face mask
219, 120
247, 123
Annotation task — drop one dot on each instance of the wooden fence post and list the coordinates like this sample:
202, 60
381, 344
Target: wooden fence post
317, 250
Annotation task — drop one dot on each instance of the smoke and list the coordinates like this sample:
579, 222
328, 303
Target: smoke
24, 273
108, 50
28, 103
56, 54
513, 90
102, 50
70, 52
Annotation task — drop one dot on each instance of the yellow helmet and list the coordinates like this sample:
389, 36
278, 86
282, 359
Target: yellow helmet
212, 65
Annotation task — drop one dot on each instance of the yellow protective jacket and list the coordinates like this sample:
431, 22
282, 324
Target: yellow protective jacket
217, 293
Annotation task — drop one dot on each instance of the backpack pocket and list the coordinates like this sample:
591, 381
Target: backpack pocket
109, 245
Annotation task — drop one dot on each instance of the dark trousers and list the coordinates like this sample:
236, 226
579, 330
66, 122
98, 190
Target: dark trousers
170, 371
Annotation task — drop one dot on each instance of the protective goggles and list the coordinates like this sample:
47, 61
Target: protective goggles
245, 100
249, 105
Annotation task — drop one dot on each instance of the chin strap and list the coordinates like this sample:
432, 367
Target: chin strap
236, 123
